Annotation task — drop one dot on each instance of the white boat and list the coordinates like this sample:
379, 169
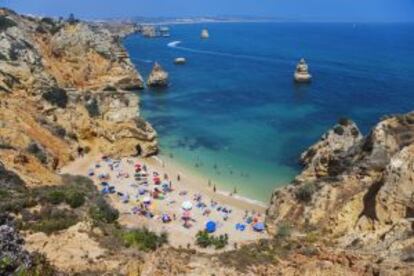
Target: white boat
180, 60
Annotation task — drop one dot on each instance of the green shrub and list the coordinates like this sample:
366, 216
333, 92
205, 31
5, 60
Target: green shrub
74, 199
49, 226
344, 121
56, 96
305, 192
103, 212
51, 220
55, 197
204, 240
34, 149
6, 23
339, 130
283, 231
92, 108
144, 239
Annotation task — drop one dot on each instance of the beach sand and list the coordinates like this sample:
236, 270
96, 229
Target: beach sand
190, 182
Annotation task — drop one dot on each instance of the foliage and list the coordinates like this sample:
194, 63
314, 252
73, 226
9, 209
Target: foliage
304, 193
6, 23
339, 130
204, 240
37, 151
283, 231
103, 212
55, 197
51, 220
92, 108
144, 239
56, 96
74, 199
344, 121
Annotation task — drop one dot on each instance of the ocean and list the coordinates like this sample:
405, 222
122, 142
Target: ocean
233, 112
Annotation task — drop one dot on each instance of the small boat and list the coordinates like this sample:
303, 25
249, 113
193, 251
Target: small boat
180, 60
205, 34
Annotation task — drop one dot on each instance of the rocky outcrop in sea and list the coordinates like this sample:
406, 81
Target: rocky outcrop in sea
158, 77
302, 72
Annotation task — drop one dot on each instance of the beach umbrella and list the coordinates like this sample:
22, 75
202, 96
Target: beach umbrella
146, 199
211, 226
259, 227
187, 205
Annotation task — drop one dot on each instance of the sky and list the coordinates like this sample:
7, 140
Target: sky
296, 10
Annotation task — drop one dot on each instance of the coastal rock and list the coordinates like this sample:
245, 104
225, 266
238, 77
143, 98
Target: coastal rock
361, 196
158, 77
301, 72
65, 89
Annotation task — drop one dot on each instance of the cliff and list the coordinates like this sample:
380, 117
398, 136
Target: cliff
355, 191
65, 88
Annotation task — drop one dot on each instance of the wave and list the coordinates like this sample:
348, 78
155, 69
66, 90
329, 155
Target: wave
142, 60
175, 45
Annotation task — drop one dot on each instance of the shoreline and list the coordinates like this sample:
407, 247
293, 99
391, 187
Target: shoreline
204, 179
241, 210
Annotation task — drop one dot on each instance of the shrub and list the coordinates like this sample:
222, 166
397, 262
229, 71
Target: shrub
55, 197
204, 240
354, 132
144, 239
283, 231
75, 199
56, 96
305, 192
49, 226
6, 23
48, 21
103, 212
92, 108
52, 220
339, 130
34, 149
344, 121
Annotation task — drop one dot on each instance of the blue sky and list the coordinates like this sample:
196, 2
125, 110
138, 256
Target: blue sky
301, 10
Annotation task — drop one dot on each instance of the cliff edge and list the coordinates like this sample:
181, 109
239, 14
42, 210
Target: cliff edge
65, 88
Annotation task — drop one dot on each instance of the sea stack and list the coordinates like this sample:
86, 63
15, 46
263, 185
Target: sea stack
301, 73
204, 34
158, 77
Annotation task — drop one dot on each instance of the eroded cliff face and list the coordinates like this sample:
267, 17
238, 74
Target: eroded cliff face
357, 191
65, 87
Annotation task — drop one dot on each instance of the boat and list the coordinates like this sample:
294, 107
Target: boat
205, 34
180, 60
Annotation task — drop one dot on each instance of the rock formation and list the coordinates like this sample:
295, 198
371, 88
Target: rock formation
301, 72
158, 77
357, 191
64, 86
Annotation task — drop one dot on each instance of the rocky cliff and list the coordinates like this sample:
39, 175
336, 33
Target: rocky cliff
356, 191
64, 89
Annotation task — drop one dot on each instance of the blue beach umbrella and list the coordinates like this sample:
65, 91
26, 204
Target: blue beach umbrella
211, 226
259, 227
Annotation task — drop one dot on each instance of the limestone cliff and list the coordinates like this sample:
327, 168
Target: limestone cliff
64, 87
357, 191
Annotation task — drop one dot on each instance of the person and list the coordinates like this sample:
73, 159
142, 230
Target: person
235, 190
214, 188
170, 185
178, 177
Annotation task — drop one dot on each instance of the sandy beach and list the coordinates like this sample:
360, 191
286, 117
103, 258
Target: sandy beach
224, 209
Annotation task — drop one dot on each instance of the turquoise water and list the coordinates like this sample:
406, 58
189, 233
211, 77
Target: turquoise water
234, 114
